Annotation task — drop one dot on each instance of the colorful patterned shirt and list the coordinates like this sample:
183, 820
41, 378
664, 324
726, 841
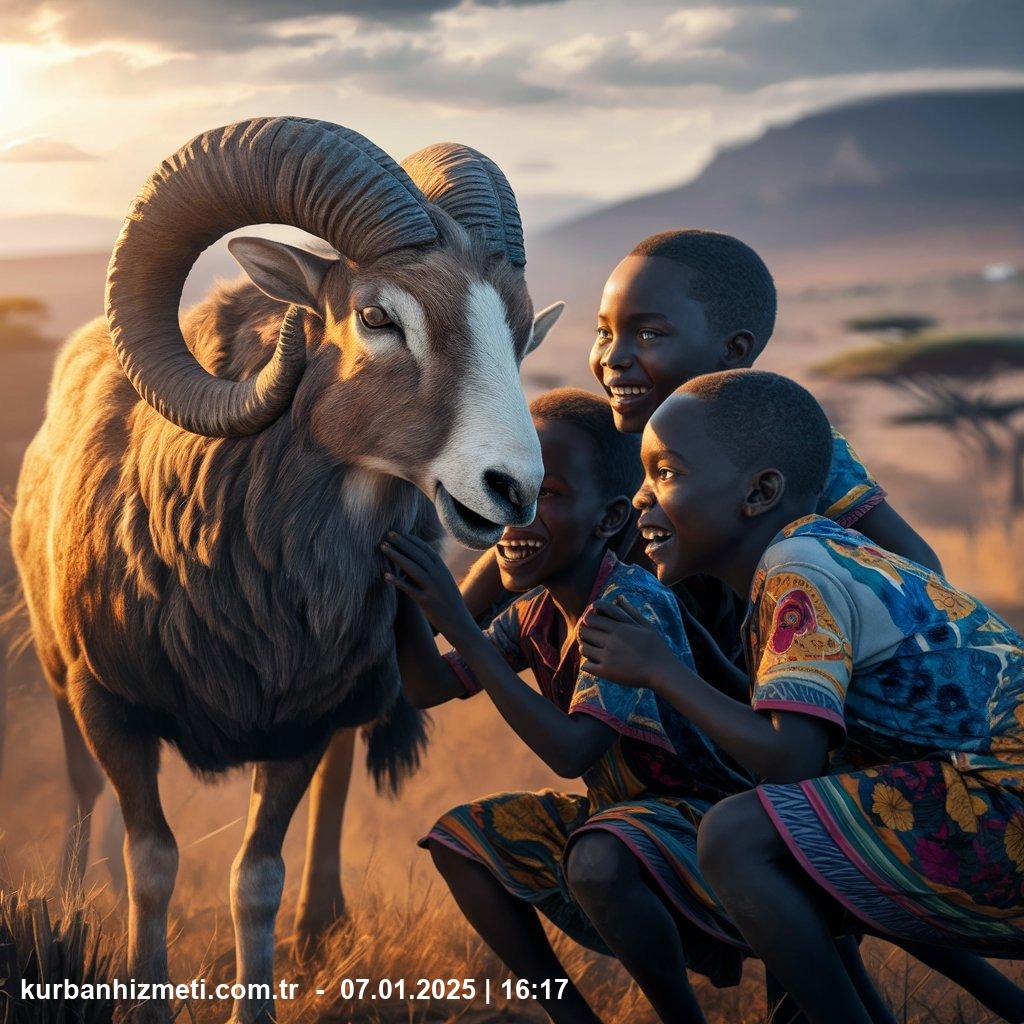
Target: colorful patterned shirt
899, 661
850, 492
662, 748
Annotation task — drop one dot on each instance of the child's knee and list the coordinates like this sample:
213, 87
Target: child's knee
721, 841
735, 837
597, 863
446, 860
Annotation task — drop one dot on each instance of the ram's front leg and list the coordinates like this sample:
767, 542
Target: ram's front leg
321, 901
257, 880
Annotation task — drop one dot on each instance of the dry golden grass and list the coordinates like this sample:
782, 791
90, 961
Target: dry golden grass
410, 935
402, 924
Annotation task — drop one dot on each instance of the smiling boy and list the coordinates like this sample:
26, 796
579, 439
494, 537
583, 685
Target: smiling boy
909, 690
681, 304
615, 868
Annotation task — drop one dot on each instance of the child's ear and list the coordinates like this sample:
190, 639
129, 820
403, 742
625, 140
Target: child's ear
766, 490
542, 323
282, 271
616, 515
738, 350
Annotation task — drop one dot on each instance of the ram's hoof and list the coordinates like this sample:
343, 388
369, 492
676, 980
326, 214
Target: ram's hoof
312, 925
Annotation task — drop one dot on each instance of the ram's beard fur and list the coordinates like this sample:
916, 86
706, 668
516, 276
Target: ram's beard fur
229, 591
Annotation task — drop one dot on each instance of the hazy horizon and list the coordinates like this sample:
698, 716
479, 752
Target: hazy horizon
580, 100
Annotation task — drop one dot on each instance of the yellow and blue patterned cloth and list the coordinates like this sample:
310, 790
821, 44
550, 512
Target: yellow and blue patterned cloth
650, 789
918, 829
850, 491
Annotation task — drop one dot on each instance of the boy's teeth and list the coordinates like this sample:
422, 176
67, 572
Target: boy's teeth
621, 391
653, 533
511, 550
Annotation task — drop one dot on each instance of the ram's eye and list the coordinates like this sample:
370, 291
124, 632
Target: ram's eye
374, 317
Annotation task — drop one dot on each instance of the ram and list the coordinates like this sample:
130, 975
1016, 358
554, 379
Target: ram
201, 566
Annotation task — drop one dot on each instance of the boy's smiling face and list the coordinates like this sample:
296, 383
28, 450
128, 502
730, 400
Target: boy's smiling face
692, 499
570, 509
651, 338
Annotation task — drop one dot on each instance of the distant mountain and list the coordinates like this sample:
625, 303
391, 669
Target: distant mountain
906, 185
872, 175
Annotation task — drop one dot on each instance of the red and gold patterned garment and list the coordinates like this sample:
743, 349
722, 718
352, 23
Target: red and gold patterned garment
918, 830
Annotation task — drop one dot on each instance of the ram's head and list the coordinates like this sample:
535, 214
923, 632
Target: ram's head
405, 347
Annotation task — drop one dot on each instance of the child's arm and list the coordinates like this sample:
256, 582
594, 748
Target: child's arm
618, 644
427, 678
481, 586
889, 530
727, 677
568, 744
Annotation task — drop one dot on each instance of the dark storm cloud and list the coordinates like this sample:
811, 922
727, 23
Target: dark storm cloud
419, 67
204, 25
770, 42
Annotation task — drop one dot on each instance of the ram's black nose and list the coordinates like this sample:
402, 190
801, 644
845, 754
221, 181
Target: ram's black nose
504, 488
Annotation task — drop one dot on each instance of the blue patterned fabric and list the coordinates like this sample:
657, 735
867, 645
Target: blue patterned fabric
662, 747
934, 667
918, 828
851, 492
650, 788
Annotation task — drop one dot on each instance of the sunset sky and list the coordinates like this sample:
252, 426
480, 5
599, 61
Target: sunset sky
574, 98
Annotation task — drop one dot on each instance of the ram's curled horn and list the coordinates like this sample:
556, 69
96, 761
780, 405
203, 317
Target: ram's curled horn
472, 189
313, 175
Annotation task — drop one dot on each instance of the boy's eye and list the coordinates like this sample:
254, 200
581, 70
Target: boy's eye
664, 473
648, 335
603, 334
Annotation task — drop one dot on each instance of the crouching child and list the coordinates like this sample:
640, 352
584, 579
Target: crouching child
886, 719
614, 867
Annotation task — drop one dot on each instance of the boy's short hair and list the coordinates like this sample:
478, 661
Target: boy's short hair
732, 281
766, 420
615, 456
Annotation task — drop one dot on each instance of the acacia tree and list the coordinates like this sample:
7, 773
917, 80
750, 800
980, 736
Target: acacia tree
952, 377
899, 324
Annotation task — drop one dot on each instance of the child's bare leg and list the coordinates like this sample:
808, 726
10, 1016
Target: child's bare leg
512, 929
849, 953
975, 975
777, 908
611, 886
783, 1010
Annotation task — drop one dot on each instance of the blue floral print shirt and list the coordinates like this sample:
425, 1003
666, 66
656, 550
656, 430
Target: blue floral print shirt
850, 492
889, 652
662, 747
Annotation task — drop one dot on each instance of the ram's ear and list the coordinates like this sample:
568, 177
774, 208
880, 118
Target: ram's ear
282, 271
542, 323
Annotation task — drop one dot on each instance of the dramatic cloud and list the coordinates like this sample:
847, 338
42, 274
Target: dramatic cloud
745, 46
229, 25
575, 98
421, 68
41, 150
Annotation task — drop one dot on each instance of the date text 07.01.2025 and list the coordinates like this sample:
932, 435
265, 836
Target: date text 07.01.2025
359, 989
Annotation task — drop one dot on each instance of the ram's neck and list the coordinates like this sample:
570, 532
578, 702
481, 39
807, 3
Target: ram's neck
273, 497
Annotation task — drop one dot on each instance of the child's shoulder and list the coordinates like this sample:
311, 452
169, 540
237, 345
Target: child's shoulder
807, 542
637, 586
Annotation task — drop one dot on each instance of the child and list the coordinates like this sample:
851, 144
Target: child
649, 775
917, 689
681, 304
